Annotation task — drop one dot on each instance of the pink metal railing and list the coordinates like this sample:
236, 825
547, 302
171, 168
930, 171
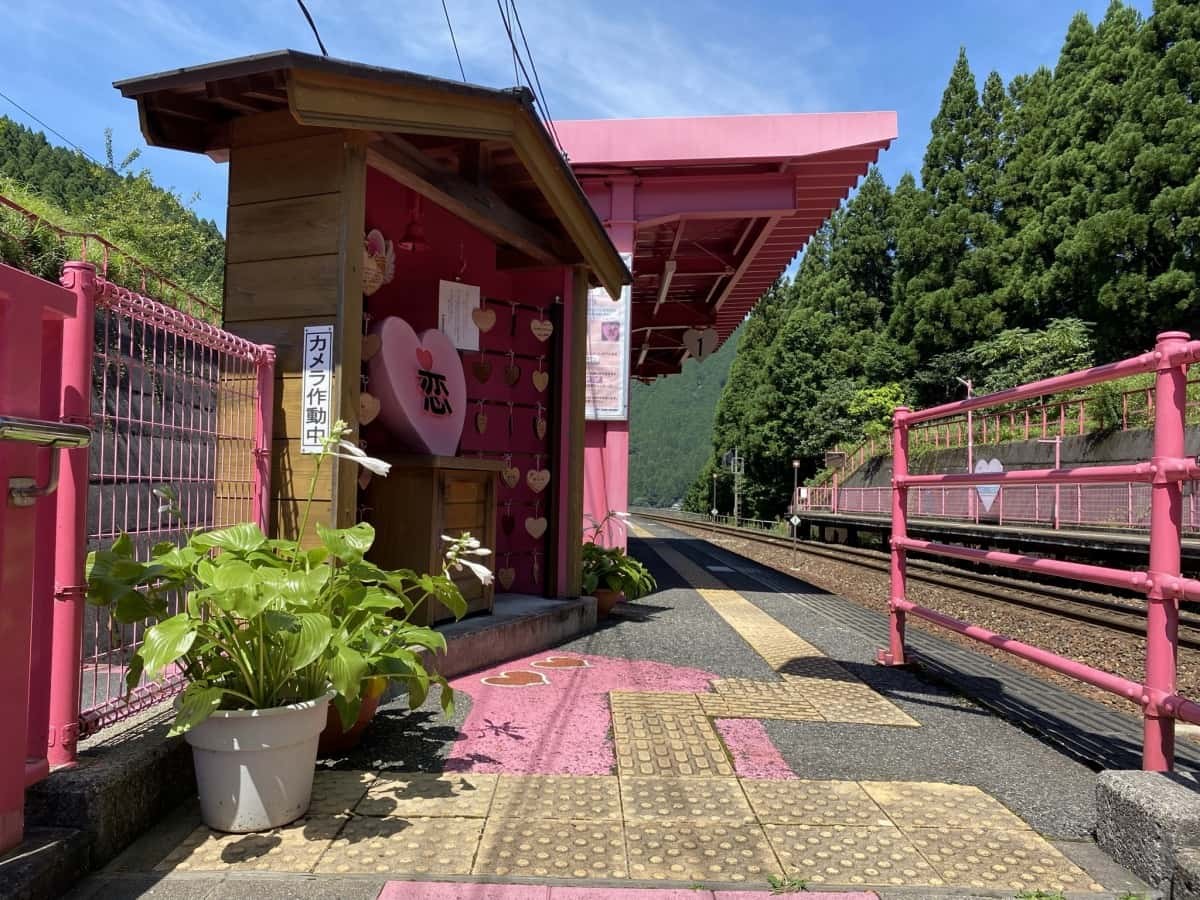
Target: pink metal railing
175, 402
1099, 506
1068, 417
1164, 475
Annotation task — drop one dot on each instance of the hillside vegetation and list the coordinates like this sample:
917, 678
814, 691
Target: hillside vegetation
670, 427
1056, 224
126, 207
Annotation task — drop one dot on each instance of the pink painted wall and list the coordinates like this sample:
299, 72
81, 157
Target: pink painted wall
457, 249
606, 478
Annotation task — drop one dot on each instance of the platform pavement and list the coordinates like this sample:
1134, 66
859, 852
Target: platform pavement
642, 755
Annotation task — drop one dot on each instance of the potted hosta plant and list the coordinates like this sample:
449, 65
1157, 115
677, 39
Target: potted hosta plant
610, 574
266, 635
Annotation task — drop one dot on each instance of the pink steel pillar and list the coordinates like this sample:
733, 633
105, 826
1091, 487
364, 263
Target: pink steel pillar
70, 548
606, 444
1166, 511
894, 655
264, 413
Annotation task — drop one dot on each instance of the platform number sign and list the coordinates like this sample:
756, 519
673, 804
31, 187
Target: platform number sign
795, 520
316, 398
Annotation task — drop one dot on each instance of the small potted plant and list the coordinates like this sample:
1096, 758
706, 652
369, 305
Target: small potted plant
610, 574
266, 635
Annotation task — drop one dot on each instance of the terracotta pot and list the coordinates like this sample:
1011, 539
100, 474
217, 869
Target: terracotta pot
336, 740
606, 599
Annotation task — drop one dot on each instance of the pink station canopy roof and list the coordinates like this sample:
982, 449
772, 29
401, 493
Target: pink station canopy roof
714, 209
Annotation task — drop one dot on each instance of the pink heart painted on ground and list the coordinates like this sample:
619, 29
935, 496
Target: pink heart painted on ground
426, 415
561, 662
520, 678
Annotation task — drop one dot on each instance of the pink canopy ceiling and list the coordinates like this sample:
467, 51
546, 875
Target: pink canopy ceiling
714, 208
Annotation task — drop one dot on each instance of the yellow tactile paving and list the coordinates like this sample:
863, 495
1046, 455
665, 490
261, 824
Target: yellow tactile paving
638, 531
652, 701
851, 855
828, 688
801, 802
424, 794
292, 848
685, 800
547, 848
919, 804
402, 846
695, 851
977, 857
337, 793
587, 798
668, 743
796, 710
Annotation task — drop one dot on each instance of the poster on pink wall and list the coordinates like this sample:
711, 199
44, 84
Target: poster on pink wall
607, 379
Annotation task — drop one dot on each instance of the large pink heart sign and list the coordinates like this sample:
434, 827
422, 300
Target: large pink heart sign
421, 387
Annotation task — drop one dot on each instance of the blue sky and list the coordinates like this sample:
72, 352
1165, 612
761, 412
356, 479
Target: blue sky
596, 58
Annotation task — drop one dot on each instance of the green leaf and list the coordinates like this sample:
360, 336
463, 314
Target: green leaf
447, 695
347, 668
198, 701
133, 672
309, 640
348, 544
347, 710
242, 538
134, 606
233, 575
166, 642
123, 546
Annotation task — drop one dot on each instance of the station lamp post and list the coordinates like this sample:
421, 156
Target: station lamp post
716, 475
1057, 442
971, 508
794, 506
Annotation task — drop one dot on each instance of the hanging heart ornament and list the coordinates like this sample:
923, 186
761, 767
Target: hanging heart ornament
368, 408
482, 370
541, 380
510, 475
481, 422
370, 345
512, 373
484, 319
539, 428
506, 577
507, 523
700, 344
542, 329
536, 526
537, 479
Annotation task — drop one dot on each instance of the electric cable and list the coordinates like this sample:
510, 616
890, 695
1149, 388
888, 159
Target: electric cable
54, 132
313, 26
454, 42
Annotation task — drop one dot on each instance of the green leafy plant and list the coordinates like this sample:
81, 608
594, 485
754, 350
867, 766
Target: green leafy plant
616, 570
612, 568
266, 622
789, 884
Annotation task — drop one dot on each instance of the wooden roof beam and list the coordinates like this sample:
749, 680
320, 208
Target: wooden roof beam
475, 203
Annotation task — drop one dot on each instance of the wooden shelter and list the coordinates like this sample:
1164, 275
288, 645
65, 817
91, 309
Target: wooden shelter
467, 186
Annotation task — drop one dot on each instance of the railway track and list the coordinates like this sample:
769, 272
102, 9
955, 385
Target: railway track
1105, 611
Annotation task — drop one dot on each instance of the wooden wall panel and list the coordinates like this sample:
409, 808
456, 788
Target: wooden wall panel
293, 257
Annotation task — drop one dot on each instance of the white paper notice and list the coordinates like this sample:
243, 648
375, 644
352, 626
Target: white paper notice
316, 400
456, 302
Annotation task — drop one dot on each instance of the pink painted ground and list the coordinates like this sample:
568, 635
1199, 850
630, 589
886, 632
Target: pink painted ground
442, 890
547, 714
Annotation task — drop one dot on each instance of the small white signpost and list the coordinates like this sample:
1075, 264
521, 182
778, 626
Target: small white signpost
316, 395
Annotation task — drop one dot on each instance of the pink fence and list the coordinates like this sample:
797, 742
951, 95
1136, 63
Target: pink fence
177, 404
1164, 476
1067, 417
1087, 506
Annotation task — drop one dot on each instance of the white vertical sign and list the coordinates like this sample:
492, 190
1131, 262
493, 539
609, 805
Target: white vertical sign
608, 324
316, 397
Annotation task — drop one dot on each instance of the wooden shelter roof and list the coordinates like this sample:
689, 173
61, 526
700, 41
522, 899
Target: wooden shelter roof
481, 152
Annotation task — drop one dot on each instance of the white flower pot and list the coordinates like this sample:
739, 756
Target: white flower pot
254, 767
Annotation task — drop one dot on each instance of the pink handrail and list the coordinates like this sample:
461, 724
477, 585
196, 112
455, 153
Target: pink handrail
1163, 583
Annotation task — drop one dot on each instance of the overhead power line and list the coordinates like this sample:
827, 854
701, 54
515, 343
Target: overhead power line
453, 41
313, 26
536, 78
58, 134
517, 58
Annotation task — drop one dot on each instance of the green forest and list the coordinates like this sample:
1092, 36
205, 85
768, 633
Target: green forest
670, 427
114, 200
1056, 224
